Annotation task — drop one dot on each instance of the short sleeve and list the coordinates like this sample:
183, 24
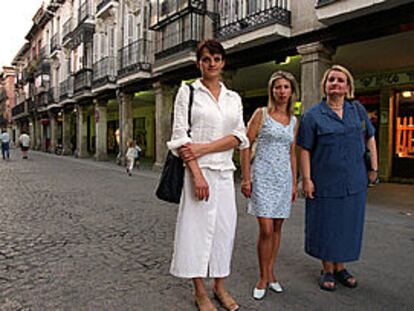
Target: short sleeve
306, 132
240, 130
179, 135
369, 128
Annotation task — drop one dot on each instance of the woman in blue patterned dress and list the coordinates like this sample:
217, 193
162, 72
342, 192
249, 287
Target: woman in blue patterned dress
271, 186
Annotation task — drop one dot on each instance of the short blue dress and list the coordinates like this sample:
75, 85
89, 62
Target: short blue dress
272, 170
334, 220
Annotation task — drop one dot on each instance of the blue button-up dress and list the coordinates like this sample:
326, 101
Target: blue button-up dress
335, 217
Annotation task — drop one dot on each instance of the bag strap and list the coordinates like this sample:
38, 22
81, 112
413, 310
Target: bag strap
190, 106
264, 112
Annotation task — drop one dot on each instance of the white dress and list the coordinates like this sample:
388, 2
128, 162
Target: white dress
205, 231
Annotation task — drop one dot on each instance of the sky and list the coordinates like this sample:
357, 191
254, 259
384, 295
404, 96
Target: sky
15, 22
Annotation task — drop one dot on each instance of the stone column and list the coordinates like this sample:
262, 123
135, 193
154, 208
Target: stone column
38, 134
66, 134
32, 130
42, 136
82, 132
164, 102
316, 58
101, 130
385, 136
53, 131
125, 121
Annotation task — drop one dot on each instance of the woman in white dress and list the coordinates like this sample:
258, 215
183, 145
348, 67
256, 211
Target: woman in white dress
206, 222
272, 184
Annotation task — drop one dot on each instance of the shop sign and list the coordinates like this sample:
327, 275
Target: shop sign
384, 79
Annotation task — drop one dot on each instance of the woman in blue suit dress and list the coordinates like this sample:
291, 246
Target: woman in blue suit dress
332, 136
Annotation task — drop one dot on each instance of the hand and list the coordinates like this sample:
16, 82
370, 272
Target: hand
201, 188
294, 193
189, 152
372, 176
308, 188
246, 188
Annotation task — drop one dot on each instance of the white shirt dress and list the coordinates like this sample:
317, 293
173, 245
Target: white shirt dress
205, 231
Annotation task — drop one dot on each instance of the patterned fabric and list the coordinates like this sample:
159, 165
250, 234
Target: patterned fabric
272, 170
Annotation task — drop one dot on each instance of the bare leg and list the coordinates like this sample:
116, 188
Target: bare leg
200, 289
264, 250
276, 238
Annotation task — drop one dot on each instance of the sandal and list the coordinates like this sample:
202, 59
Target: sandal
327, 277
204, 303
226, 301
343, 277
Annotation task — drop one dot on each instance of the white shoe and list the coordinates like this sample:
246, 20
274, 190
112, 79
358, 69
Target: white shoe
258, 293
276, 287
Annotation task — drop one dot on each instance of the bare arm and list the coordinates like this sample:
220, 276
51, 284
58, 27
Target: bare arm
372, 147
252, 132
201, 188
307, 184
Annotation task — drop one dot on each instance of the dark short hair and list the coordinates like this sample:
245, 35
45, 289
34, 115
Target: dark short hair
212, 46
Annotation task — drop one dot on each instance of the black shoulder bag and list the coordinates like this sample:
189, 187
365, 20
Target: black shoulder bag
171, 181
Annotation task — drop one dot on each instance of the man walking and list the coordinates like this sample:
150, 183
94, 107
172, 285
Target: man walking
5, 145
24, 141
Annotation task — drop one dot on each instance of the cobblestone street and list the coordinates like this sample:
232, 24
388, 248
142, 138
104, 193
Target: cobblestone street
82, 235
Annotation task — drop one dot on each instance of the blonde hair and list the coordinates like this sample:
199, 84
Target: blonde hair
293, 85
349, 77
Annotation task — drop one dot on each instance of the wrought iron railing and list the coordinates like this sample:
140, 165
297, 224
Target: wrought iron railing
247, 18
171, 41
136, 56
55, 43
165, 12
82, 80
324, 2
104, 69
19, 109
103, 3
67, 29
84, 12
66, 88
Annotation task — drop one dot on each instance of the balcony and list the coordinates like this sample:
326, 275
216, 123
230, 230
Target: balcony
84, 12
164, 12
334, 11
66, 89
67, 31
135, 57
104, 6
246, 19
170, 41
19, 110
82, 80
55, 44
104, 72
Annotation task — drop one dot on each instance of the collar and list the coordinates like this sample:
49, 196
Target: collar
197, 84
326, 109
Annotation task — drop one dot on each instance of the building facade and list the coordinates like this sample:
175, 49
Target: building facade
107, 70
7, 100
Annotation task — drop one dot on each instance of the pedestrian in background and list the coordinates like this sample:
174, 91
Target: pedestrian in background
131, 155
5, 144
24, 141
333, 136
207, 216
272, 182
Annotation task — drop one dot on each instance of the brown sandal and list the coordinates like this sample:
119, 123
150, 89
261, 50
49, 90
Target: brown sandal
226, 301
204, 303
